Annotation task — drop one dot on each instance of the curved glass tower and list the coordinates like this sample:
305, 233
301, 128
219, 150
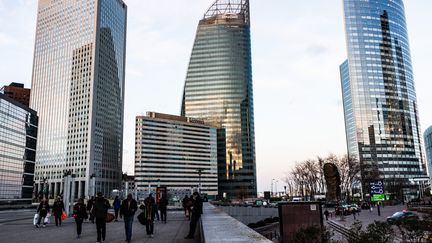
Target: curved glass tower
218, 89
380, 104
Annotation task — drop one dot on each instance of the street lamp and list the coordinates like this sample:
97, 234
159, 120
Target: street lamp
199, 179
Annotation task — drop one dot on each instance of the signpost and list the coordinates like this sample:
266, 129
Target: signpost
376, 189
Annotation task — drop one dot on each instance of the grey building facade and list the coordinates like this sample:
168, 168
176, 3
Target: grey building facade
18, 139
78, 91
380, 104
219, 90
177, 152
428, 145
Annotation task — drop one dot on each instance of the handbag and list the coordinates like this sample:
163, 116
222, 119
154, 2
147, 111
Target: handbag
142, 218
63, 216
35, 219
110, 217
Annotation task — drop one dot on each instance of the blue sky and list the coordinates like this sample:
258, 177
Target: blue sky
297, 49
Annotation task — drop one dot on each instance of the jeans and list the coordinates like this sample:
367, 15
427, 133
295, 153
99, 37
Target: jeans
41, 218
128, 227
116, 210
79, 222
101, 229
58, 220
163, 214
193, 223
150, 227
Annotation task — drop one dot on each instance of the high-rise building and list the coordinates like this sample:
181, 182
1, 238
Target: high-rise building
17, 92
218, 89
78, 92
380, 105
18, 138
177, 152
428, 145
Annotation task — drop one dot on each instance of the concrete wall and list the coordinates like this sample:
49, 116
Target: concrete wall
218, 227
248, 215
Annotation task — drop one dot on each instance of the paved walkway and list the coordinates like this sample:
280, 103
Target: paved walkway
22, 230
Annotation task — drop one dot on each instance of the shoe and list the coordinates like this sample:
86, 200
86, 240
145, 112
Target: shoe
78, 236
37, 226
151, 236
43, 226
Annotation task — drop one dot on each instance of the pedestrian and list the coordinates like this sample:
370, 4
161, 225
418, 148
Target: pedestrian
184, 204
79, 213
116, 205
196, 214
326, 213
127, 211
189, 206
150, 203
43, 211
90, 207
99, 212
57, 209
156, 211
163, 204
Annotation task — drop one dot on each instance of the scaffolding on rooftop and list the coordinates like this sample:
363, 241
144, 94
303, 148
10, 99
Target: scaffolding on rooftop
221, 7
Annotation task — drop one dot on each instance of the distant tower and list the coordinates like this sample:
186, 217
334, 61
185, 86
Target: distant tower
380, 104
78, 92
218, 89
428, 145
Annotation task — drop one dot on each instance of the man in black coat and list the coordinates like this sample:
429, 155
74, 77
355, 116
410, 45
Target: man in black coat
196, 214
127, 210
99, 212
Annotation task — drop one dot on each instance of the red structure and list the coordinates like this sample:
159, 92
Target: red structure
17, 92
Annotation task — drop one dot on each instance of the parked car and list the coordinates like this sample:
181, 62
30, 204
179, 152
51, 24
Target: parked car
401, 216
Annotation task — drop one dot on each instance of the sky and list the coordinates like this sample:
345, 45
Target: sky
297, 47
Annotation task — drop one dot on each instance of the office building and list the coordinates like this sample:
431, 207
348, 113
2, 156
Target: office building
218, 90
17, 92
176, 152
428, 145
78, 92
18, 138
380, 104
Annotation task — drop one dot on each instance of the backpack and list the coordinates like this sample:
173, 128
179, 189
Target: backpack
142, 218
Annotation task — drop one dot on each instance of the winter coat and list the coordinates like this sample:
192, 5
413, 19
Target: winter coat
43, 209
79, 211
117, 203
128, 211
58, 208
100, 208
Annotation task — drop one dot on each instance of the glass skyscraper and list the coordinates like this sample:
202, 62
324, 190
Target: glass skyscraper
428, 145
380, 105
18, 138
218, 90
78, 92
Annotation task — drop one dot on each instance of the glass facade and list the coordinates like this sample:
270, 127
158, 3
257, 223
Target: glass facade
218, 89
78, 91
380, 105
428, 145
177, 152
18, 138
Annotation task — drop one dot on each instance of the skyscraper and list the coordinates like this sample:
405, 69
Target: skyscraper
78, 92
380, 105
428, 145
218, 89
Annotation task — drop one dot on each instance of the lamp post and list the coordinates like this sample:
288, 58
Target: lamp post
199, 179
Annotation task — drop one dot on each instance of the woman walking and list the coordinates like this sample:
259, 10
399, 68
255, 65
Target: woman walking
79, 213
57, 209
116, 205
42, 210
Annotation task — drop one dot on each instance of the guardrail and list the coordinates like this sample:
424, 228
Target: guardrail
342, 230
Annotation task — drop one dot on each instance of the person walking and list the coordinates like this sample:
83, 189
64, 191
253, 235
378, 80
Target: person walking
149, 204
79, 213
196, 214
42, 210
185, 202
116, 205
156, 211
57, 209
163, 204
127, 211
89, 207
99, 212
326, 213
